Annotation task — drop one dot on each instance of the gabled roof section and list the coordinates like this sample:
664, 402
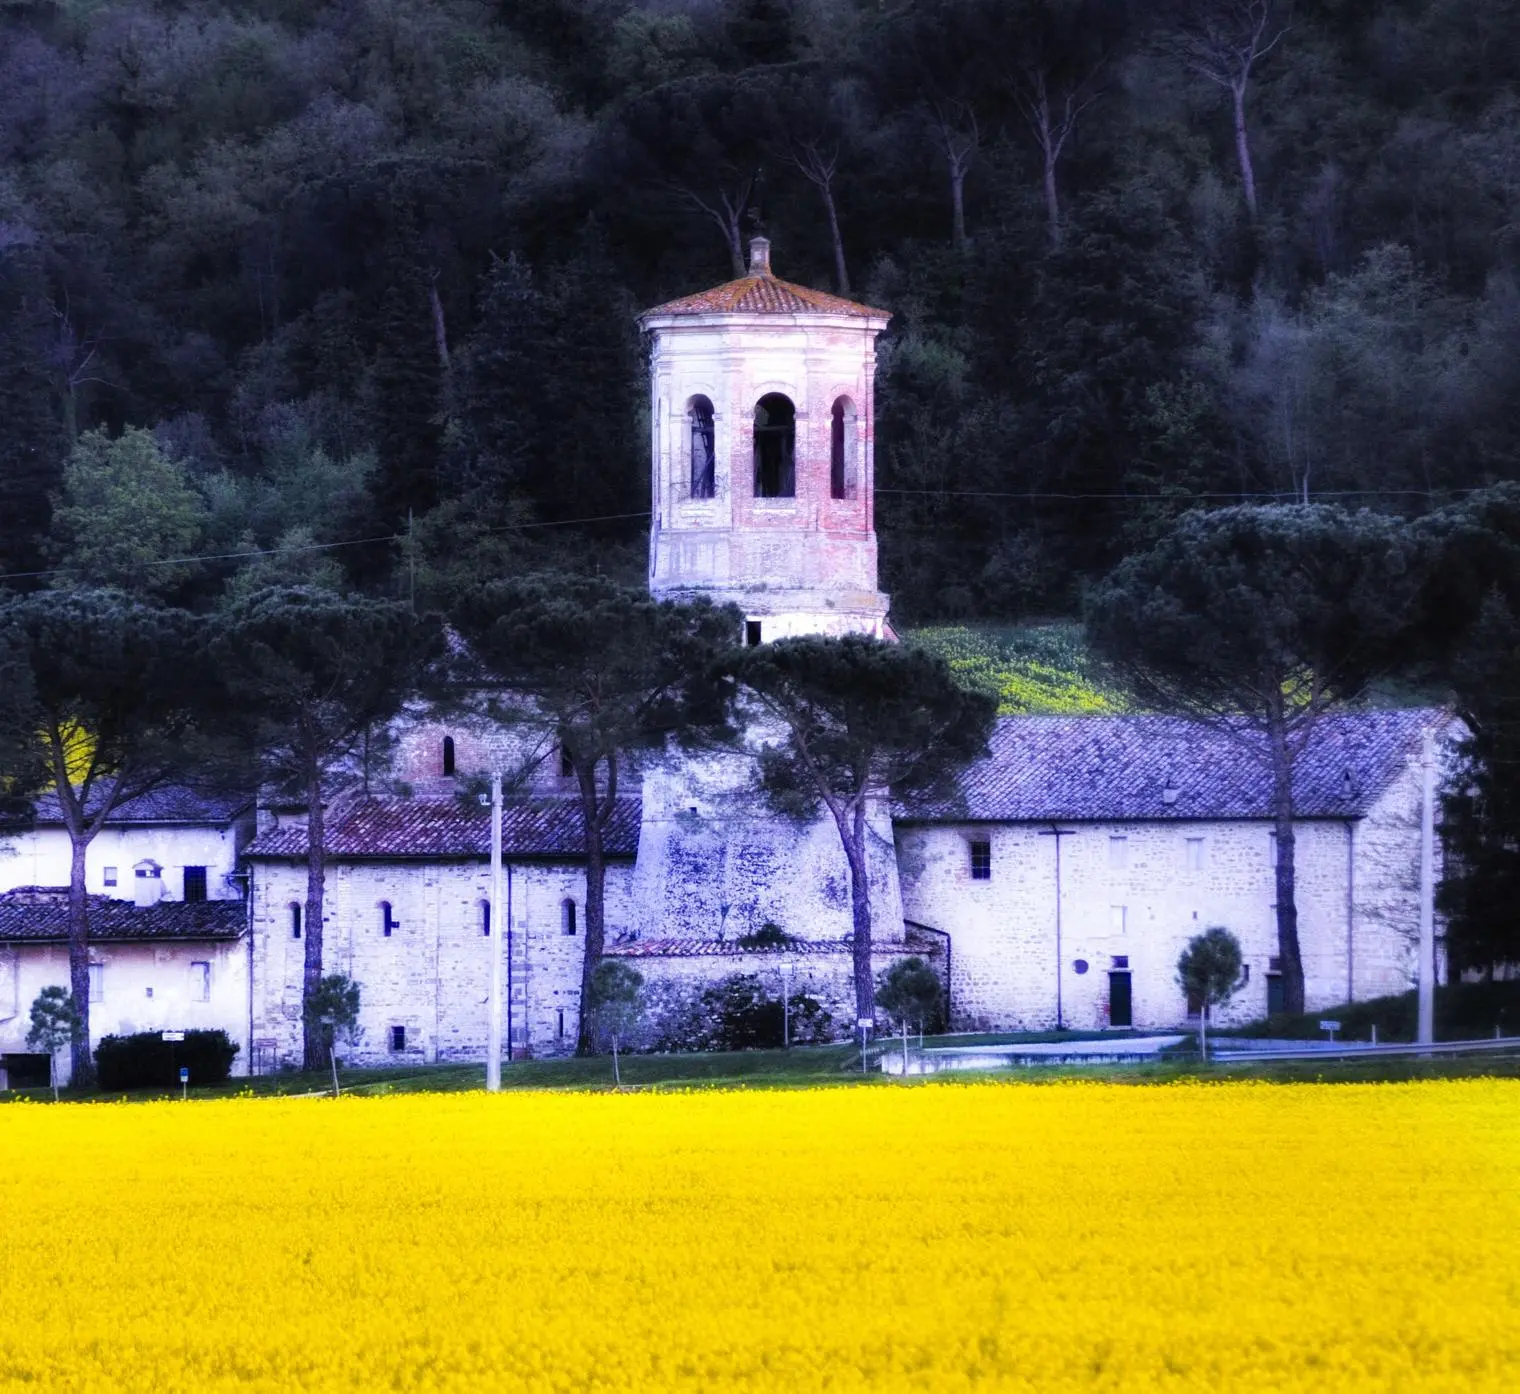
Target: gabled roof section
40, 915
446, 828
761, 293
174, 803
1116, 769
764, 295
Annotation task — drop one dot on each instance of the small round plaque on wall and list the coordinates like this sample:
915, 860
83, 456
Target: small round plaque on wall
1080, 965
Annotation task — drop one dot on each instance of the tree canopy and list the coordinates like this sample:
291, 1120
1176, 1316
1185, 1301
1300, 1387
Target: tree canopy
859, 718
1261, 620
598, 671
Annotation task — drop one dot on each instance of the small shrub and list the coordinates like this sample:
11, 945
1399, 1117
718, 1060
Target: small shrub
768, 936
739, 1014
147, 1061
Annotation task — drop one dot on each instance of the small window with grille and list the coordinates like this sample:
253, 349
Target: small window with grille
981, 860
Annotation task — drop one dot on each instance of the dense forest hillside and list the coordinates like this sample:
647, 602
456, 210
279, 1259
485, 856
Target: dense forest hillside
278, 274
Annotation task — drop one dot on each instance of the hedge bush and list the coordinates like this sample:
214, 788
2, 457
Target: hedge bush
147, 1061
738, 1013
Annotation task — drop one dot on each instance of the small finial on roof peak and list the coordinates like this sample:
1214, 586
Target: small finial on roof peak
759, 256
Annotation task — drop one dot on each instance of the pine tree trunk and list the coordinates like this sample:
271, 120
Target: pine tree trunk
1052, 201
81, 1062
1290, 959
957, 205
841, 273
1243, 148
313, 1041
860, 905
596, 903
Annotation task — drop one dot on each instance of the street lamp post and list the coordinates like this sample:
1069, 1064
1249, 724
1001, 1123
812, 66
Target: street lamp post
493, 1033
786, 1004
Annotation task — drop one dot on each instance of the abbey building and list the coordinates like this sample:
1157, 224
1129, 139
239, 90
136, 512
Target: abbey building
1058, 889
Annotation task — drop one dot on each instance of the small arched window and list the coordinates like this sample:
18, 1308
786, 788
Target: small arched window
775, 447
388, 922
295, 920
700, 443
567, 916
842, 467
448, 755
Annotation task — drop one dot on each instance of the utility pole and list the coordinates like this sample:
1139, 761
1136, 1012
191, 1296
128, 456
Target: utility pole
1058, 833
493, 1033
1427, 974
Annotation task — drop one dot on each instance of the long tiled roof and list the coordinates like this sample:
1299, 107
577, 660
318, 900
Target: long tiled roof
40, 914
1101, 769
403, 828
765, 295
175, 803
916, 941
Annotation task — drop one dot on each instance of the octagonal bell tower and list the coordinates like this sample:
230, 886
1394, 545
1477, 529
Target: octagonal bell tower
761, 421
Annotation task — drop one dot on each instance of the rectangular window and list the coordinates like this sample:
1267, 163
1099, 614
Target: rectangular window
97, 982
752, 634
1272, 853
1195, 854
1121, 961
981, 861
1118, 919
398, 1038
1118, 853
1275, 998
559, 1030
110, 876
485, 917
200, 982
195, 883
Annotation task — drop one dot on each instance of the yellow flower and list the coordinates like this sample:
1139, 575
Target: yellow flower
939, 1238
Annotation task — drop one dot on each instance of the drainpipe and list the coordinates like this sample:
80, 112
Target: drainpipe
1350, 909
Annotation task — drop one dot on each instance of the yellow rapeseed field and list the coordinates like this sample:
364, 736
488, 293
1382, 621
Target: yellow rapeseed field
946, 1237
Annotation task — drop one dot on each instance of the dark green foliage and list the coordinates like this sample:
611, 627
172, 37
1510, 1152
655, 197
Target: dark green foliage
32, 441
147, 1061
132, 678
739, 1013
333, 1010
294, 210
910, 993
1264, 619
1208, 970
53, 1020
861, 717
768, 936
599, 670
312, 675
1464, 1012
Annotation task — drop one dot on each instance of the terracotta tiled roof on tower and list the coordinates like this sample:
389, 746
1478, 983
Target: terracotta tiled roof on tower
762, 293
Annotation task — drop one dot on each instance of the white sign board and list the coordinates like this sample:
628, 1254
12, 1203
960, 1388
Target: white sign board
1329, 1026
865, 1023
172, 1035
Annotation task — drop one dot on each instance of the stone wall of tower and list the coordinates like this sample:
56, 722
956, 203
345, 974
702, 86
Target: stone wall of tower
805, 564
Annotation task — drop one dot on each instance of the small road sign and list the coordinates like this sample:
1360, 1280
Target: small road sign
1329, 1026
172, 1035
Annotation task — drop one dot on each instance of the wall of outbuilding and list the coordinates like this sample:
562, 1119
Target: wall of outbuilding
1355, 911
431, 974
144, 987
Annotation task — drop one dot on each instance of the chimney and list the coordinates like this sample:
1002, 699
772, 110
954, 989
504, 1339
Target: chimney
759, 256
147, 885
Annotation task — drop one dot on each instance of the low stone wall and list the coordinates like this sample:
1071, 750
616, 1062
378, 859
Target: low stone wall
823, 971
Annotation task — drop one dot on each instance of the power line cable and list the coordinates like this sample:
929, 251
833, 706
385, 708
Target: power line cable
250, 553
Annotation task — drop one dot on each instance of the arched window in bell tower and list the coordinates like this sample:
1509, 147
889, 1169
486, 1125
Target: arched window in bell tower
775, 447
842, 467
699, 429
